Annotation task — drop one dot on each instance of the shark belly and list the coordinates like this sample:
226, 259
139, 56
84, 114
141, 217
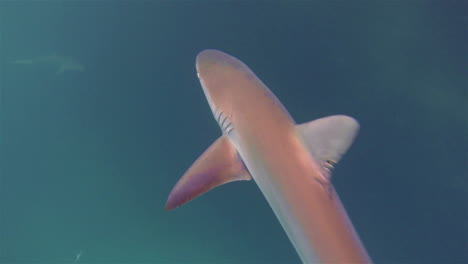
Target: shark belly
266, 179
311, 215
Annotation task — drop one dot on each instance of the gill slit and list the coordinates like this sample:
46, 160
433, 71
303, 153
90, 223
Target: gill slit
224, 121
218, 113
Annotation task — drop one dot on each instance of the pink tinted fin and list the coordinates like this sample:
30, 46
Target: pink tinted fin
218, 165
329, 138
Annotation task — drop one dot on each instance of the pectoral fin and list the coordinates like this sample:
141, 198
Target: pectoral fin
218, 165
329, 138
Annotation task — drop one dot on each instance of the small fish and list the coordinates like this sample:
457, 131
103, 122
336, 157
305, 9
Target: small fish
78, 256
61, 63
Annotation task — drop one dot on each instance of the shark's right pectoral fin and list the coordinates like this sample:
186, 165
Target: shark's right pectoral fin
218, 165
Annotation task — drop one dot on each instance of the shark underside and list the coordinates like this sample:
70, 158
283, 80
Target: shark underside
291, 164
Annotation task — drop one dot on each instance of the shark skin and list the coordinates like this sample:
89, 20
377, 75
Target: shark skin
289, 163
61, 63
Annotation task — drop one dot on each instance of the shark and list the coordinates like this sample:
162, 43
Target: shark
60, 63
290, 163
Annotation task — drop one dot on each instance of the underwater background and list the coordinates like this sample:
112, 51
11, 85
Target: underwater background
101, 112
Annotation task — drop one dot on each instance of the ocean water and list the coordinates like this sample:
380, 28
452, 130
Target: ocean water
90, 151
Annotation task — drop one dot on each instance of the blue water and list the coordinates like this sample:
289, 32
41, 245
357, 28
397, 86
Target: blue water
89, 156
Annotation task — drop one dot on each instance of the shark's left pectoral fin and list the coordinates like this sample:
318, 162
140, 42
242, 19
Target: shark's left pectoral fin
218, 165
329, 138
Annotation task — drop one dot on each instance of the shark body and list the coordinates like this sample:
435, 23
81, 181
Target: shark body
60, 63
291, 164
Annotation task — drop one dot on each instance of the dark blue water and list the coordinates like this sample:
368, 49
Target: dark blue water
89, 156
